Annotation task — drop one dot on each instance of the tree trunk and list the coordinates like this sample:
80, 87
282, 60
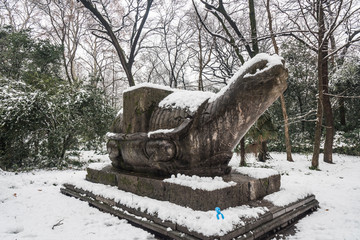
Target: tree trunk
329, 119
342, 111
124, 63
263, 153
328, 114
254, 41
66, 144
319, 113
242, 152
200, 81
282, 99
286, 129
317, 137
301, 113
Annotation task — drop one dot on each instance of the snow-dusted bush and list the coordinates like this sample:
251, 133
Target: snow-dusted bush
42, 115
37, 128
22, 121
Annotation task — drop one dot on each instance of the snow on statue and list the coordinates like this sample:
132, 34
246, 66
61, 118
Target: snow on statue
165, 131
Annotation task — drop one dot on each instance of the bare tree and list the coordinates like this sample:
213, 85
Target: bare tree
317, 23
67, 27
138, 11
282, 98
18, 14
175, 35
203, 48
103, 67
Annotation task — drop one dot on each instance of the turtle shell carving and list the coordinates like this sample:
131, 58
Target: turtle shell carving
158, 133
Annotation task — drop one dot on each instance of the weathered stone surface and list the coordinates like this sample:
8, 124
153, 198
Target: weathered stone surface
201, 142
138, 108
103, 177
245, 190
262, 187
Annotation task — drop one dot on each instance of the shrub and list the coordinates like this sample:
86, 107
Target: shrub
37, 128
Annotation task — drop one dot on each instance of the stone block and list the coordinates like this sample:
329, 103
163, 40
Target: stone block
259, 188
151, 187
245, 190
99, 176
139, 104
253, 228
274, 184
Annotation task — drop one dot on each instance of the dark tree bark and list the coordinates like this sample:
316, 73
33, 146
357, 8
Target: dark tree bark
242, 152
301, 112
322, 69
338, 13
342, 111
254, 39
263, 153
282, 99
65, 146
255, 50
324, 105
125, 63
328, 115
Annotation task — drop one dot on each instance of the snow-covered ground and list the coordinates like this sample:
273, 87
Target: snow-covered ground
336, 187
32, 207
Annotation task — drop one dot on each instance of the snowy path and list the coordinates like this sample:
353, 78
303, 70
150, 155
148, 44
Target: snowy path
31, 203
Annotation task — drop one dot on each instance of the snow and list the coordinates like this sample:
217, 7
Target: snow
183, 99
120, 112
99, 165
196, 182
336, 187
31, 203
149, 85
111, 135
160, 131
287, 195
191, 100
255, 172
204, 222
280, 198
272, 60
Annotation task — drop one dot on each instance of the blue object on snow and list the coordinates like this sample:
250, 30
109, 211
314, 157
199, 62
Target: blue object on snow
217, 209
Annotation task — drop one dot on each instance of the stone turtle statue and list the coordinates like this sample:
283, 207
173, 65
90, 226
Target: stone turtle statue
162, 131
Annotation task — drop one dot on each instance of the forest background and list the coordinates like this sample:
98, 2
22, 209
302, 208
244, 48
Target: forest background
64, 65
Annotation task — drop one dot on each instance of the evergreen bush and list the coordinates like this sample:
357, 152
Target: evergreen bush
41, 115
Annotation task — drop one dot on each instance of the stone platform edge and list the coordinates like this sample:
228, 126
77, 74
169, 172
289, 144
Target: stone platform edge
275, 219
246, 188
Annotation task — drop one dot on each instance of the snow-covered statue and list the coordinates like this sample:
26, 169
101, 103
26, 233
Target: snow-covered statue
165, 131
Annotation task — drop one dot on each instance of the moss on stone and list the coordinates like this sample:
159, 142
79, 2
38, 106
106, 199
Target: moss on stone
124, 181
145, 187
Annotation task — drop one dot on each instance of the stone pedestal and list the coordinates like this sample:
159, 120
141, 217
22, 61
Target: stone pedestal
244, 192
246, 188
273, 220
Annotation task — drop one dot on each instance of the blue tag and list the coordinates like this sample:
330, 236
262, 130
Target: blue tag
217, 209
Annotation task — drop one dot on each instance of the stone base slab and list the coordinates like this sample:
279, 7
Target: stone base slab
246, 188
273, 220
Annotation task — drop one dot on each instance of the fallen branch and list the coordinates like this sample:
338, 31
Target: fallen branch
58, 224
